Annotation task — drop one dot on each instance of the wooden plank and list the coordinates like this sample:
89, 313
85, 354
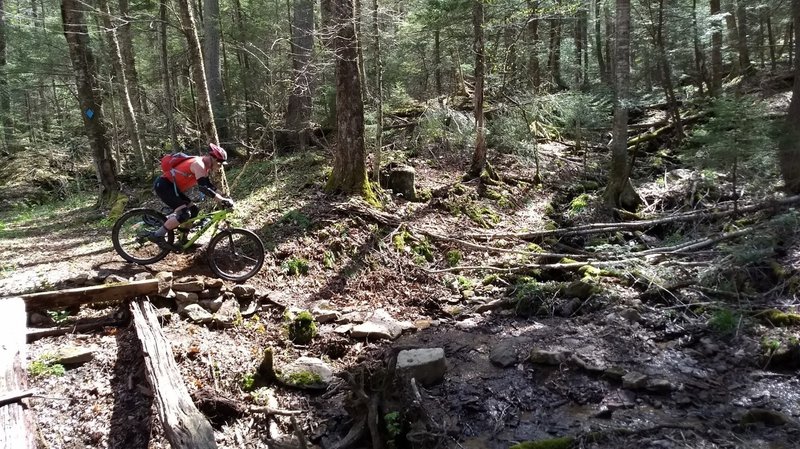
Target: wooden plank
184, 426
16, 424
87, 295
83, 325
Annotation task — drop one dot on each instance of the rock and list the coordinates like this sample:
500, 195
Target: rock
504, 354
73, 355
400, 179
188, 284
585, 364
196, 314
603, 412
164, 281
634, 380
324, 315
770, 418
214, 283
426, 365
467, 294
227, 314
183, 299
114, 279
569, 308
80, 279
212, 305
620, 399
352, 317
244, 291
580, 289
143, 276
631, 315
379, 325
343, 328
39, 319
209, 293
555, 356
308, 373
659, 385
614, 373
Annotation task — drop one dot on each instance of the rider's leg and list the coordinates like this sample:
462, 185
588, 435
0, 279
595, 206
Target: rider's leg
167, 192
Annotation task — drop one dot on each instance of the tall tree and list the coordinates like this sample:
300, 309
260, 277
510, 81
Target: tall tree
376, 29
5, 100
479, 156
598, 44
128, 57
197, 69
90, 97
716, 48
166, 77
349, 174
619, 191
298, 113
789, 145
213, 68
131, 120
743, 29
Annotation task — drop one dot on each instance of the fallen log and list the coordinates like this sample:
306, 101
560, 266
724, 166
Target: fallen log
86, 295
184, 426
16, 424
596, 228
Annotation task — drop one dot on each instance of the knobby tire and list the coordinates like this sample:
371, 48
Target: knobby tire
129, 236
235, 254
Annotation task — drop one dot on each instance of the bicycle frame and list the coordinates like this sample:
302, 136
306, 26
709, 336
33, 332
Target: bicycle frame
187, 238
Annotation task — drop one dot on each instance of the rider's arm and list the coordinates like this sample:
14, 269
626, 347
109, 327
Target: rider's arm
203, 182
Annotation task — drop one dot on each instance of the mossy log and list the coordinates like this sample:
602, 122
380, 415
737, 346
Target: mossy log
16, 422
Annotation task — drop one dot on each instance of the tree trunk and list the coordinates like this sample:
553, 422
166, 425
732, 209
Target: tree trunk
197, 69
166, 77
349, 174
376, 30
298, 114
744, 52
129, 60
213, 70
598, 44
619, 192
666, 71
90, 97
771, 41
554, 55
716, 50
699, 59
733, 35
534, 70
131, 123
5, 99
437, 62
479, 156
789, 145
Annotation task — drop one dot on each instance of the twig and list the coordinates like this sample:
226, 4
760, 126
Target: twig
273, 411
299, 432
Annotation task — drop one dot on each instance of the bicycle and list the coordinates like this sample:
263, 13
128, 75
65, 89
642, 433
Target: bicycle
233, 254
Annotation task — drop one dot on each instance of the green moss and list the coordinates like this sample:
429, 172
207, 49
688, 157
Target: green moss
778, 318
534, 248
482, 216
248, 382
549, 209
295, 266
579, 203
399, 240
45, 367
453, 257
301, 378
458, 189
490, 279
302, 327
553, 443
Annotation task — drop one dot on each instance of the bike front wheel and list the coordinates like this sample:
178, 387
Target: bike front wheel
130, 232
235, 254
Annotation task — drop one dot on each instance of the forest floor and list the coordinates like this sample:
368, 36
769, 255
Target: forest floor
625, 349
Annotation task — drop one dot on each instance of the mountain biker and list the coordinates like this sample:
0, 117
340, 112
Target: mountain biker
171, 187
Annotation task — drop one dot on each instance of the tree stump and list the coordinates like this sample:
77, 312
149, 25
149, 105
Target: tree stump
400, 179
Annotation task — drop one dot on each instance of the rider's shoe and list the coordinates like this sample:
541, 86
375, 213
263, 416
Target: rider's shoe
161, 241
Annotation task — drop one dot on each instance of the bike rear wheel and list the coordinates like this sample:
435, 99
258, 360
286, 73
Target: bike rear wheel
130, 232
235, 254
